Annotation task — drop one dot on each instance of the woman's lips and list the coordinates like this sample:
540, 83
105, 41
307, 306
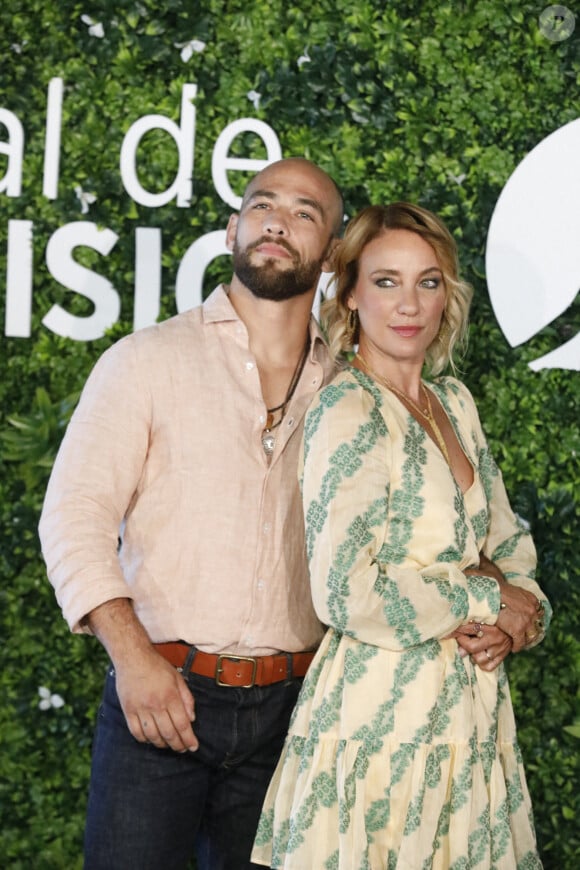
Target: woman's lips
406, 331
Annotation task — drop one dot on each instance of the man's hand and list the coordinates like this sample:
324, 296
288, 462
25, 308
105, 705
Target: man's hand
489, 568
154, 697
156, 701
522, 616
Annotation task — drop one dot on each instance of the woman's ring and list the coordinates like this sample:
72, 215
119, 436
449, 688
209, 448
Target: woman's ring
490, 657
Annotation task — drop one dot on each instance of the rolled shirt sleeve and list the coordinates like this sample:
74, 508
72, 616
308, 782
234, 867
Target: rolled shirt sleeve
94, 479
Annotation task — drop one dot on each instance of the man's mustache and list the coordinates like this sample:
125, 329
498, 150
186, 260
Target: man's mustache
268, 240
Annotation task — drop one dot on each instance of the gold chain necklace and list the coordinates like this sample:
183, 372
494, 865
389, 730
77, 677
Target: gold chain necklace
424, 414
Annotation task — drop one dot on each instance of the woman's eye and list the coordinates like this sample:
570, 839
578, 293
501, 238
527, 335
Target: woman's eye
385, 282
431, 283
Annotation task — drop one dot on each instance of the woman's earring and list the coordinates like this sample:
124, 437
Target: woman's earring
444, 333
352, 325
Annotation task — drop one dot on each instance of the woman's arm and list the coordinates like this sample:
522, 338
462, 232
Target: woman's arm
507, 552
357, 587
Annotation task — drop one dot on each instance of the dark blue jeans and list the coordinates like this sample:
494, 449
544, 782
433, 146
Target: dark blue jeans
154, 809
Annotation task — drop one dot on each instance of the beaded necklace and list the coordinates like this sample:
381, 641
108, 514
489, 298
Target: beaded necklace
268, 436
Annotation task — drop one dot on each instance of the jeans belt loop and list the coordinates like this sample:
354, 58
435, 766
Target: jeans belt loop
186, 667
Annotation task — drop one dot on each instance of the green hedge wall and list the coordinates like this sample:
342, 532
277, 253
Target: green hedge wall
435, 102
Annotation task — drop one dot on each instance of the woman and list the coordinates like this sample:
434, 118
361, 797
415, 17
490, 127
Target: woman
402, 751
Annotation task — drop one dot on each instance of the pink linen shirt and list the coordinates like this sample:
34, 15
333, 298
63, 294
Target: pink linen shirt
164, 452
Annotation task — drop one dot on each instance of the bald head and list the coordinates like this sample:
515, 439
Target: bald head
325, 194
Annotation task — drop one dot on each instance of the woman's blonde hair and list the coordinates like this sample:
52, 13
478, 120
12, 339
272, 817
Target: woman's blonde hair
342, 328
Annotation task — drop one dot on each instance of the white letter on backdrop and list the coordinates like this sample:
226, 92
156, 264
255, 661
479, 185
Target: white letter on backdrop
189, 281
19, 279
14, 148
220, 162
73, 276
184, 138
52, 141
147, 276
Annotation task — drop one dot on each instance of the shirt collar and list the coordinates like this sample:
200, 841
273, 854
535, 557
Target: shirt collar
218, 308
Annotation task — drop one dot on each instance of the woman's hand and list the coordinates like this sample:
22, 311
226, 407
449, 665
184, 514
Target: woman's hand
487, 645
521, 614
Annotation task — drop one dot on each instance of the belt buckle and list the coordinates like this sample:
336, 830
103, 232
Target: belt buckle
219, 669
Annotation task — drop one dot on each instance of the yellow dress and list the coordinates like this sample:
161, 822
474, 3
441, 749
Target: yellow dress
401, 754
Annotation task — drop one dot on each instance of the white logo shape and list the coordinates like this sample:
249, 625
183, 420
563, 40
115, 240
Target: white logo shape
533, 245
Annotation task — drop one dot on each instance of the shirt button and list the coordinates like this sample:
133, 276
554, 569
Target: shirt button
249, 365
291, 421
248, 640
261, 419
260, 584
267, 527
314, 382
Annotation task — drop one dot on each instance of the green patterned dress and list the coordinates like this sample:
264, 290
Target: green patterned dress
401, 754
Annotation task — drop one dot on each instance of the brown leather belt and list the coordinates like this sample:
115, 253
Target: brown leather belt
240, 671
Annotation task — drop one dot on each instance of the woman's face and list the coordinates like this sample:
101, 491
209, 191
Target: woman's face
400, 297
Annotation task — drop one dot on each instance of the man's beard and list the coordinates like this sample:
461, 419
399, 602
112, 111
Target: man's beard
268, 281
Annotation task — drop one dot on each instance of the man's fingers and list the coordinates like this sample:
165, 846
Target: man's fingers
152, 732
187, 738
136, 728
187, 700
519, 641
163, 734
165, 729
522, 616
177, 731
160, 730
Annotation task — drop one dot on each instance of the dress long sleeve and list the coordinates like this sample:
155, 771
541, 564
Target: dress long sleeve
368, 497
505, 537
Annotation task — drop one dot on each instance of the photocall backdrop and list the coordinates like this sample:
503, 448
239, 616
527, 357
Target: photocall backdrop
127, 134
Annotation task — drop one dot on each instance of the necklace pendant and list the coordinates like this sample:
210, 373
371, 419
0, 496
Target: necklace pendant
268, 442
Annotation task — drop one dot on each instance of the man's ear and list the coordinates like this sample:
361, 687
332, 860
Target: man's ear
328, 262
231, 231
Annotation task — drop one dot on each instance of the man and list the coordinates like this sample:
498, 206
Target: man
185, 444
